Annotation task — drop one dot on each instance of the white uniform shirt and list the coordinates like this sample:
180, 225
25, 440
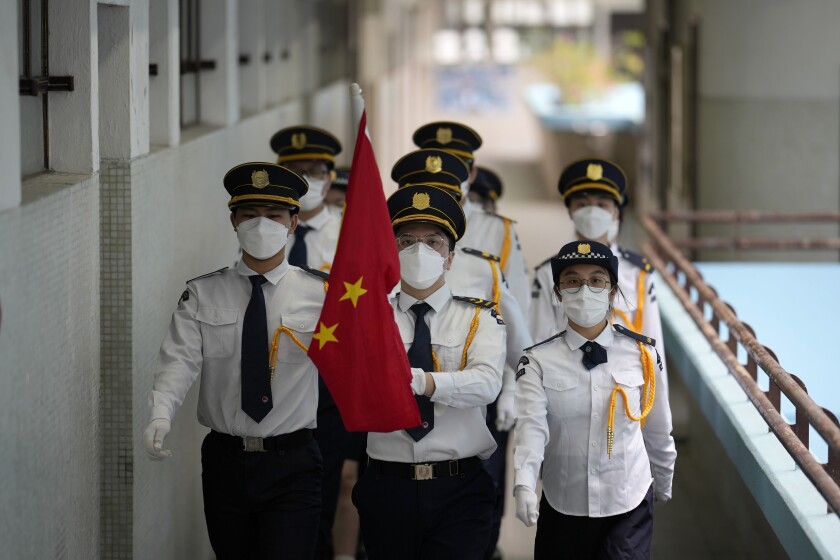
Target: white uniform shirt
562, 411
548, 318
491, 233
473, 275
460, 396
321, 242
205, 337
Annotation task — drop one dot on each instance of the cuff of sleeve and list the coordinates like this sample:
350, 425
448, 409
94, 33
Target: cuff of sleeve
444, 387
524, 478
160, 413
418, 381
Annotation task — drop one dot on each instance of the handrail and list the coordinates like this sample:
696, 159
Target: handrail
745, 216
825, 477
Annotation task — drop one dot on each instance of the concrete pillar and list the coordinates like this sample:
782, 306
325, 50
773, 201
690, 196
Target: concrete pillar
252, 42
114, 82
220, 87
74, 119
165, 88
138, 61
9, 108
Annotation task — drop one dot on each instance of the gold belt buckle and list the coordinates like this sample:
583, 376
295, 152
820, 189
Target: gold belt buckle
251, 444
423, 472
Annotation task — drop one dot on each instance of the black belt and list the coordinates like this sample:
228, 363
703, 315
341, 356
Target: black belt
424, 471
273, 443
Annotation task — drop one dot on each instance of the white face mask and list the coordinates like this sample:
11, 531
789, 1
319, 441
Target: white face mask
612, 233
314, 196
420, 265
586, 308
592, 222
261, 237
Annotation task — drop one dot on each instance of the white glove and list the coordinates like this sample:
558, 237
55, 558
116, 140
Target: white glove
505, 411
527, 505
418, 381
155, 432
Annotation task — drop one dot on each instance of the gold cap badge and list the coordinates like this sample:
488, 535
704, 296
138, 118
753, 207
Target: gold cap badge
584, 248
444, 135
421, 201
434, 164
594, 171
299, 141
259, 178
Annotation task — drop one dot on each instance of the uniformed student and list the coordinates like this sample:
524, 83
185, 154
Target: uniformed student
594, 420
310, 152
244, 331
486, 189
487, 232
338, 191
424, 494
594, 191
477, 274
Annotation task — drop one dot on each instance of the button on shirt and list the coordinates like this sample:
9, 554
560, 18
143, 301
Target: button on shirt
562, 412
205, 337
460, 397
321, 242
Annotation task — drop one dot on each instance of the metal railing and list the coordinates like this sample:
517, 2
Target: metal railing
663, 253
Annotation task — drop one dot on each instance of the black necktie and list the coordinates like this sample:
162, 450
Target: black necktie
256, 382
420, 356
298, 256
593, 354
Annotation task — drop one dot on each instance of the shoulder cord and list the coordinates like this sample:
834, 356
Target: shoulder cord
648, 395
497, 291
272, 359
638, 317
505, 246
470, 336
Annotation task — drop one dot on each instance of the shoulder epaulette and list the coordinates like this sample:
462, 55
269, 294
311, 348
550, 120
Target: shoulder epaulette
558, 335
635, 259
314, 272
634, 335
206, 275
503, 218
482, 254
476, 301
545, 262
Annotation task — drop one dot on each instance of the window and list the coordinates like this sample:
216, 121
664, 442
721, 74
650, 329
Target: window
36, 85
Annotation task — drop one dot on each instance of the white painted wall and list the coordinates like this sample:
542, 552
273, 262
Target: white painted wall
165, 88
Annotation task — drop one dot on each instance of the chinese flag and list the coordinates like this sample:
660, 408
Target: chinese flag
357, 346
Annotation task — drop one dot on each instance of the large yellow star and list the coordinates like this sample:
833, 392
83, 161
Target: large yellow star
325, 335
354, 291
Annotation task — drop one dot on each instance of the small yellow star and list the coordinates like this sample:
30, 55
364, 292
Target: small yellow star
354, 291
325, 334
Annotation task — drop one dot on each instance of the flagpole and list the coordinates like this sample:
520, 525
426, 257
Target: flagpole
357, 107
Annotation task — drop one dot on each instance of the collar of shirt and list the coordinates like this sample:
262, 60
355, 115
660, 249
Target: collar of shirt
274, 275
319, 220
575, 340
437, 300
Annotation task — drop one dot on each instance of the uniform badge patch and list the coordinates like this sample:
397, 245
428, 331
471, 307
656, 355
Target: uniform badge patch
520, 373
524, 361
184, 297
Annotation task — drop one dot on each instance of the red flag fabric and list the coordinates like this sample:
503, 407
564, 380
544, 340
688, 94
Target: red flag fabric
357, 346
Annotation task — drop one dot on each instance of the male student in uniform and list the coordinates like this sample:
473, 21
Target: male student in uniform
239, 329
424, 494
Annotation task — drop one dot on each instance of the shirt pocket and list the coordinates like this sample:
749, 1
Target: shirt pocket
302, 326
563, 393
631, 381
219, 331
448, 345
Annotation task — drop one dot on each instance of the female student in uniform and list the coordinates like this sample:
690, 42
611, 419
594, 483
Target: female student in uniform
592, 415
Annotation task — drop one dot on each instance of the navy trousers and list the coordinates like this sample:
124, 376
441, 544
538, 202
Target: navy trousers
626, 536
261, 505
496, 468
441, 519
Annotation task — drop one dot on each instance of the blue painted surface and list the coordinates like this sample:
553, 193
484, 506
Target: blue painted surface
794, 309
620, 107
